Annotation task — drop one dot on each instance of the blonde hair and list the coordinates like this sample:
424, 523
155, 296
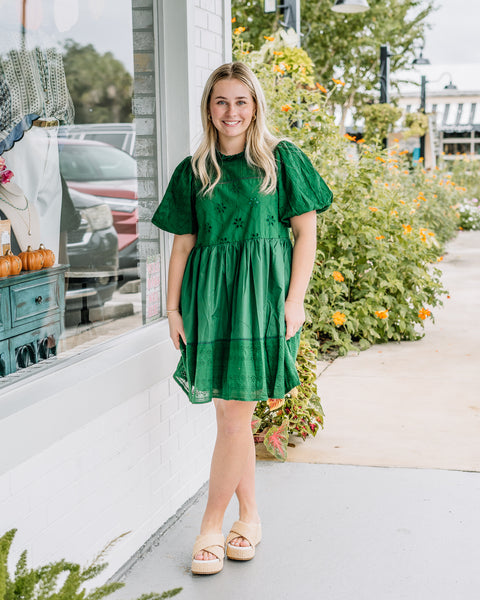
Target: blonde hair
260, 143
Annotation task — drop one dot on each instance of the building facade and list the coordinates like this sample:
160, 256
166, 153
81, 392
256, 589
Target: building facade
97, 440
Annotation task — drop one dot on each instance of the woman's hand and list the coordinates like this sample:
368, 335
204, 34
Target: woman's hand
294, 317
175, 323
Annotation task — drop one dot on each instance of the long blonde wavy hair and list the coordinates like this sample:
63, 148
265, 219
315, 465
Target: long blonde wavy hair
260, 143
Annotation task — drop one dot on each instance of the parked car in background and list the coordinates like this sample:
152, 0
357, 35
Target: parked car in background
109, 174
92, 251
120, 135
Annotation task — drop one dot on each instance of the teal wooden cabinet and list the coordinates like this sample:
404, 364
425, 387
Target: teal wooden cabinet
32, 309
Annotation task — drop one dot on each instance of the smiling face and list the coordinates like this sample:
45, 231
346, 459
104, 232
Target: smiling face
231, 108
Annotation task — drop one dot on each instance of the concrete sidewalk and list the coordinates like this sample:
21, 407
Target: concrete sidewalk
343, 532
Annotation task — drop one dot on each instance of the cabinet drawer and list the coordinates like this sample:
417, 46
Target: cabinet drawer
32, 347
31, 300
4, 359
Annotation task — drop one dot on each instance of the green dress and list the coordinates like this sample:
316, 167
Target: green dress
237, 275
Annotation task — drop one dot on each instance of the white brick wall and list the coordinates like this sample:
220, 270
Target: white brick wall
115, 461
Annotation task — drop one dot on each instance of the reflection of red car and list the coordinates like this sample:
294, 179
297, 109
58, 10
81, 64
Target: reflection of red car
110, 174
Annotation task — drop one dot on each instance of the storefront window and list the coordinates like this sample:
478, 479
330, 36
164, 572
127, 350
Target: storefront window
69, 178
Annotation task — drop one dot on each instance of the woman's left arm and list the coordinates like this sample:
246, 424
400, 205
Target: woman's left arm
304, 228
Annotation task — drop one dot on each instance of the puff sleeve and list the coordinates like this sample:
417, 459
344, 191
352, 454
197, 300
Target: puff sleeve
300, 187
176, 213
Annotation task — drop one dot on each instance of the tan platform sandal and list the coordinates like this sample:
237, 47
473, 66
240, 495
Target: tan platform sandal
252, 532
213, 543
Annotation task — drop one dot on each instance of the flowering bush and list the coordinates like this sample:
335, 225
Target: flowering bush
375, 277
469, 211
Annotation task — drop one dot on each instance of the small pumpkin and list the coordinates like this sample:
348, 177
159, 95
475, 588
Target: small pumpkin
32, 260
15, 262
48, 256
4, 267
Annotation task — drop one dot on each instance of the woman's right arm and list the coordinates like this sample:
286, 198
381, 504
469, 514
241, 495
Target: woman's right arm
182, 246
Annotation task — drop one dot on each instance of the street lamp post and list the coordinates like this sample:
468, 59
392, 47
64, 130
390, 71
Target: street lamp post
421, 60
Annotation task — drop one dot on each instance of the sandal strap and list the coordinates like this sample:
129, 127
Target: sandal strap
210, 542
252, 532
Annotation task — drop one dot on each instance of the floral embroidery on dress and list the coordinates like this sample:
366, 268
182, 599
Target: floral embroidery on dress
271, 220
208, 228
221, 207
254, 202
238, 222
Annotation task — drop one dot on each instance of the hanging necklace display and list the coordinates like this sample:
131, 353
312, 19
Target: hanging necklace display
21, 214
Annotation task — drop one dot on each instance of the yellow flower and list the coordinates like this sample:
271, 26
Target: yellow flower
338, 81
278, 69
380, 159
239, 30
373, 208
381, 314
286, 107
406, 229
394, 213
269, 38
424, 313
403, 152
277, 53
439, 259
338, 276
402, 201
339, 318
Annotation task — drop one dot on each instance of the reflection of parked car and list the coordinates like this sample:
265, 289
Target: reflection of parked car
92, 250
120, 135
110, 174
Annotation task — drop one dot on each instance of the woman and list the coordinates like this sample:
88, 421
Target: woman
236, 286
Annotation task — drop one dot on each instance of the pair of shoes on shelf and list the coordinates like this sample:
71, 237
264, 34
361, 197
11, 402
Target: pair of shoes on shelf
215, 544
252, 532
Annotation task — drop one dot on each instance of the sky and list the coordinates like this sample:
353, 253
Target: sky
454, 36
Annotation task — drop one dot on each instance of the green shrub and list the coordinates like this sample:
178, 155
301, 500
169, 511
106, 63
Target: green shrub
44, 583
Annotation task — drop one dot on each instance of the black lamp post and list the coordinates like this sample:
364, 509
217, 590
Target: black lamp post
421, 60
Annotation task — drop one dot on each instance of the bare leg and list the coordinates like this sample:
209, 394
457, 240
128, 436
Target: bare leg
245, 492
233, 448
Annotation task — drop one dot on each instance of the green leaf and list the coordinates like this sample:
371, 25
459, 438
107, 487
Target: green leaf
276, 441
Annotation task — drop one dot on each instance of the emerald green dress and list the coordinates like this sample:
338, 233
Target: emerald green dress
237, 275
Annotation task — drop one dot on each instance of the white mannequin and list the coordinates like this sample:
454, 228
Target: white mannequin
22, 215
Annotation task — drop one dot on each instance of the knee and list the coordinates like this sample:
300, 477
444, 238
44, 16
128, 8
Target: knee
234, 420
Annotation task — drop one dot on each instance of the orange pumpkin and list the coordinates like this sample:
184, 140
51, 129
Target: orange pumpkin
15, 262
4, 267
48, 256
32, 260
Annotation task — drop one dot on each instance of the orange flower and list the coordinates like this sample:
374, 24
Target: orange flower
338, 81
396, 140
338, 276
439, 259
270, 38
380, 159
381, 314
349, 137
278, 69
373, 208
234, 19
286, 107
402, 201
406, 229
321, 88
277, 53
239, 30
403, 152
361, 141
379, 237
394, 213
424, 313
339, 318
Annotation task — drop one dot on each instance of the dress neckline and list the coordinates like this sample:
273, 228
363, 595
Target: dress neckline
226, 157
